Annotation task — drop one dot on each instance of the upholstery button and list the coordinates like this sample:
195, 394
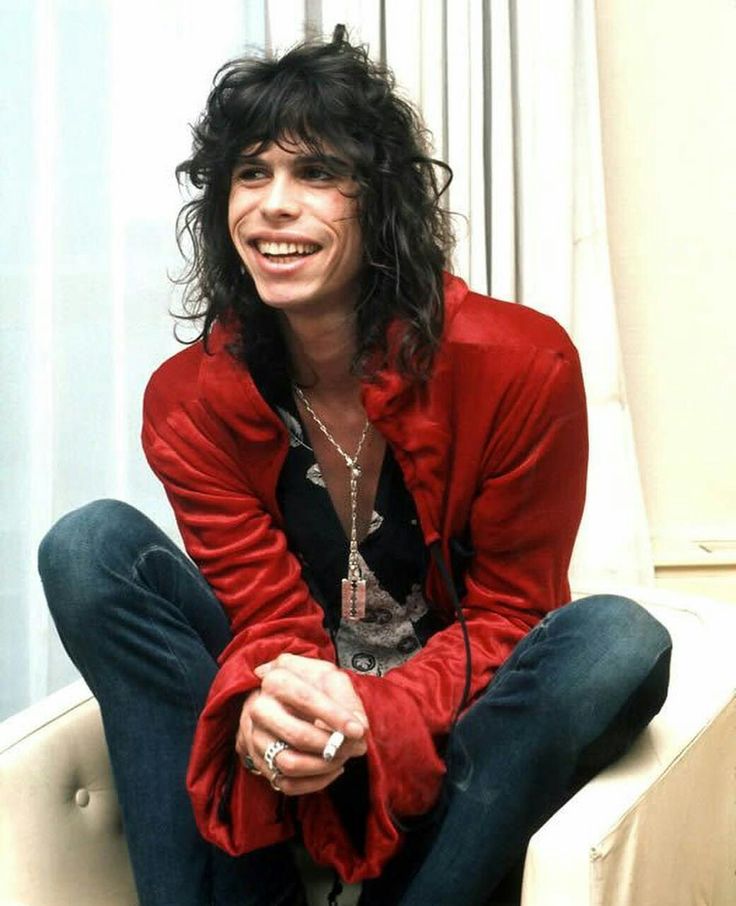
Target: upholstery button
81, 797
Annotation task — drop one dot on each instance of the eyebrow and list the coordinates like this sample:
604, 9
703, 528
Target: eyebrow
331, 160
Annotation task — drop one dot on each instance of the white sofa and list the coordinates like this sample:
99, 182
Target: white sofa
658, 828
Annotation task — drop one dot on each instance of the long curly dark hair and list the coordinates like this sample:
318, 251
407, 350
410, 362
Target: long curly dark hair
321, 95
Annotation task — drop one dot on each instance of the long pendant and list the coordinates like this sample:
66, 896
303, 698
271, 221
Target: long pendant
353, 599
353, 586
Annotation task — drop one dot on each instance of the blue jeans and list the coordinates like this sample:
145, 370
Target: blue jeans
144, 629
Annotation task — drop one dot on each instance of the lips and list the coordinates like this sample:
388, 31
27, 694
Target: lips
282, 249
282, 258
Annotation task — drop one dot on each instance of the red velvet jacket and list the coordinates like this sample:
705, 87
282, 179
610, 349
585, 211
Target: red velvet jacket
495, 445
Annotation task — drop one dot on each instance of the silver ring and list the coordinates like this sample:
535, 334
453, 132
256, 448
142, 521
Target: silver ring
250, 765
274, 748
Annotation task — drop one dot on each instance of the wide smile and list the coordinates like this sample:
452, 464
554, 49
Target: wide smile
282, 257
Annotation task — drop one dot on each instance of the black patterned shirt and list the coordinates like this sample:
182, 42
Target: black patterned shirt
392, 557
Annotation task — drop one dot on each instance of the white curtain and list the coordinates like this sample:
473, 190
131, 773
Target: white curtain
97, 97
96, 101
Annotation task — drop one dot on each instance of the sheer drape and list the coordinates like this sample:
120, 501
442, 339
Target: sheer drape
97, 98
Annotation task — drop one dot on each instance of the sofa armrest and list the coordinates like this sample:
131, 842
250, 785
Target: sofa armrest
61, 837
659, 825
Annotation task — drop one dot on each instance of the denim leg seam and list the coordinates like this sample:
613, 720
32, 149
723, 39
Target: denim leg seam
135, 574
182, 559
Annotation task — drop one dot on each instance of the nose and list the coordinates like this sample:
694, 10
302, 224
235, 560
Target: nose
280, 200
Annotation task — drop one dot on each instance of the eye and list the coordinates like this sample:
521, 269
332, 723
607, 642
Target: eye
250, 173
317, 173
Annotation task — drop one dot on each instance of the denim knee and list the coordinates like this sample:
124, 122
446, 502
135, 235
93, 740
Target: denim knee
629, 683
627, 627
625, 651
73, 556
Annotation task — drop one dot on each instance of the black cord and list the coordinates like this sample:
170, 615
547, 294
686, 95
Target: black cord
332, 896
436, 552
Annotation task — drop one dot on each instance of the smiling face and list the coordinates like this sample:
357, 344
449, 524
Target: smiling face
293, 219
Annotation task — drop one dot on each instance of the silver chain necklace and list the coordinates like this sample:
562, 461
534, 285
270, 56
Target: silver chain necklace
353, 587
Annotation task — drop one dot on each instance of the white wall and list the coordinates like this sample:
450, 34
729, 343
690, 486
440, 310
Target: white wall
668, 88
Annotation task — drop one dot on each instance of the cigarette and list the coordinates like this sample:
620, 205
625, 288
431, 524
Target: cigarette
333, 744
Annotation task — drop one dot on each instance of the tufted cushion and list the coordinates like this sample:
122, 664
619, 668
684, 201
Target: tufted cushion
61, 837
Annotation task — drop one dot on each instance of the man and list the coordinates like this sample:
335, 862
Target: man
379, 475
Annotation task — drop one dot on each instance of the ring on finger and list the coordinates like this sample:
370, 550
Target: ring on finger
272, 750
250, 765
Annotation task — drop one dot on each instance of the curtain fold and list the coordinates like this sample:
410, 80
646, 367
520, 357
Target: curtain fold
615, 510
97, 98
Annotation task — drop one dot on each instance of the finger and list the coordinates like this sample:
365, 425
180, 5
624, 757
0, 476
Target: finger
274, 725
270, 716
310, 702
290, 762
300, 786
327, 676
308, 666
241, 745
242, 737
339, 686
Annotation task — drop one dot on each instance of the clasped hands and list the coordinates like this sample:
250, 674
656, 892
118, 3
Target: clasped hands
300, 702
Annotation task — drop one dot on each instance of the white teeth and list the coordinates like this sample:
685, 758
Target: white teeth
285, 248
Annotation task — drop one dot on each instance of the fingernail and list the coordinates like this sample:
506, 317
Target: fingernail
354, 728
362, 718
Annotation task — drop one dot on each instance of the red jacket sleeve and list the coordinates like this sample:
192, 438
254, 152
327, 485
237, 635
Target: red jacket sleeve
523, 523
244, 558
243, 555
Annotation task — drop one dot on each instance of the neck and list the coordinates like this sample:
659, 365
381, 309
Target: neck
322, 351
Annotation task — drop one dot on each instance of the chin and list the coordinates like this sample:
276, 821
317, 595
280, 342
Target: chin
283, 300
278, 296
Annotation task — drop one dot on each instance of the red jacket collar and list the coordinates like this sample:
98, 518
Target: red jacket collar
412, 419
